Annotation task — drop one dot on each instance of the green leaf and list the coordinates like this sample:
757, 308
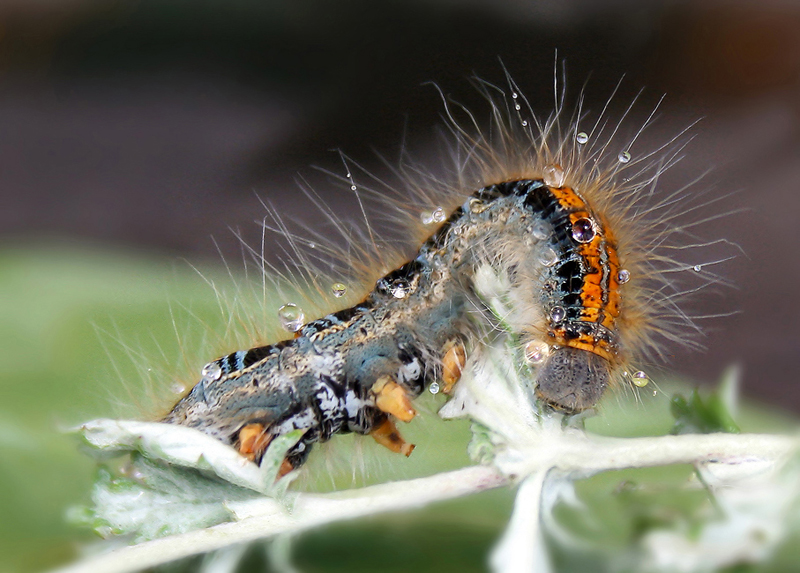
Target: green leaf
712, 414
157, 499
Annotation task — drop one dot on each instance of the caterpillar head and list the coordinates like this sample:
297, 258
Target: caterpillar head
572, 380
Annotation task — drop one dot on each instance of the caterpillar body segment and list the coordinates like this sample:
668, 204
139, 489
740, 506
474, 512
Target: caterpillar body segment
358, 369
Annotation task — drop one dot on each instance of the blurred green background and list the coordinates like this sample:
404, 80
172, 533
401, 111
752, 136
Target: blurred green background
132, 132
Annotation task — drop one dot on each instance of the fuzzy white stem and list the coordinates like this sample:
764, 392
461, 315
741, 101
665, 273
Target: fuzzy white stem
262, 518
522, 547
586, 454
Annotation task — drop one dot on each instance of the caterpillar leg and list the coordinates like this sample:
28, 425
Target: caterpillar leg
386, 434
391, 398
286, 467
454, 356
253, 441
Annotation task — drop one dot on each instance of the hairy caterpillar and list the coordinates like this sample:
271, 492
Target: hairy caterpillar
553, 219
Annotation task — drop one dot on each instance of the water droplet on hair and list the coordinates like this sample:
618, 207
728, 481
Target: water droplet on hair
211, 371
437, 215
525, 123
400, 288
624, 157
558, 314
548, 257
338, 289
348, 175
536, 352
583, 230
353, 187
640, 379
623, 276
553, 175
434, 388
581, 137
517, 107
292, 317
697, 268
514, 95
540, 230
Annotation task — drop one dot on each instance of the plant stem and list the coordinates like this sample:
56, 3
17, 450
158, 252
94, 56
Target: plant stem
528, 462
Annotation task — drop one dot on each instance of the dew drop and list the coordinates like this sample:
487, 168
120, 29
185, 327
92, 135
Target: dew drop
434, 388
437, 215
353, 187
697, 268
558, 314
623, 276
525, 123
624, 157
583, 230
177, 388
514, 95
640, 379
536, 352
541, 230
517, 107
548, 257
211, 371
292, 317
338, 289
553, 175
400, 288
581, 137
348, 175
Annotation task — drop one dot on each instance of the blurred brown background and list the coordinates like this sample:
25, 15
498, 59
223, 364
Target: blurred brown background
157, 124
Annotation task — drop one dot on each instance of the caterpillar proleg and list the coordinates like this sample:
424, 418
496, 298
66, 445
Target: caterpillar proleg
558, 219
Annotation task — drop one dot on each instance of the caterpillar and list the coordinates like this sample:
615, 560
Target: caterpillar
563, 224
